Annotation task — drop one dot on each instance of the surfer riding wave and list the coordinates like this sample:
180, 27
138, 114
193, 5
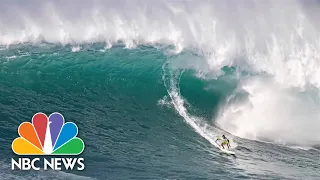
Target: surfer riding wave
225, 141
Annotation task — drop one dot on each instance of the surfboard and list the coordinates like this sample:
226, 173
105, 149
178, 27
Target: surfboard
226, 150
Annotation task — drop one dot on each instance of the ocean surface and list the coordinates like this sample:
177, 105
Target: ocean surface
152, 84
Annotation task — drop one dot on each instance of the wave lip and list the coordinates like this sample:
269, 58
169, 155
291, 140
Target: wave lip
202, 25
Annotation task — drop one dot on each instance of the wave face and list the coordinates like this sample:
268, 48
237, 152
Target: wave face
272, 45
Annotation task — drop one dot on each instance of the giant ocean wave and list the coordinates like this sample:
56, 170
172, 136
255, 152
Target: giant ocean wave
273, 46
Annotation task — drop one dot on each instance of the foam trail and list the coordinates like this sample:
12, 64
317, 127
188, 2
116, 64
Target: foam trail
200, 126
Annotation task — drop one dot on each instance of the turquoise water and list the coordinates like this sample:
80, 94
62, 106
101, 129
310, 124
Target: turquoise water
152, 84
119, 100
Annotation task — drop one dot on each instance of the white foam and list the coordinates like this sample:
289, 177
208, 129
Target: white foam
76, 49
11, 57
280, 39
272, 112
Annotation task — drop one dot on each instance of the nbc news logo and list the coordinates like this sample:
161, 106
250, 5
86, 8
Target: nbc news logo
48, 136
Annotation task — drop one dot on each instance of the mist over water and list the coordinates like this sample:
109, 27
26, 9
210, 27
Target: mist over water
275, 42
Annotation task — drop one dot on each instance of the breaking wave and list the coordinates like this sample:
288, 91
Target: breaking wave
276, 57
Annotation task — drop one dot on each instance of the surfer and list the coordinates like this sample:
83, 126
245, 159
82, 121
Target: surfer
225, 141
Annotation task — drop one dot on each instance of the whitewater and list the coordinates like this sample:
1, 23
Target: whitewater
159, 77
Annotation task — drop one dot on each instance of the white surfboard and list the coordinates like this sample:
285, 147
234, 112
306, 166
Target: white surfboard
226, 150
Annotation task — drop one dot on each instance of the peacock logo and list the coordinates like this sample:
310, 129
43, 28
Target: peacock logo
48, 136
